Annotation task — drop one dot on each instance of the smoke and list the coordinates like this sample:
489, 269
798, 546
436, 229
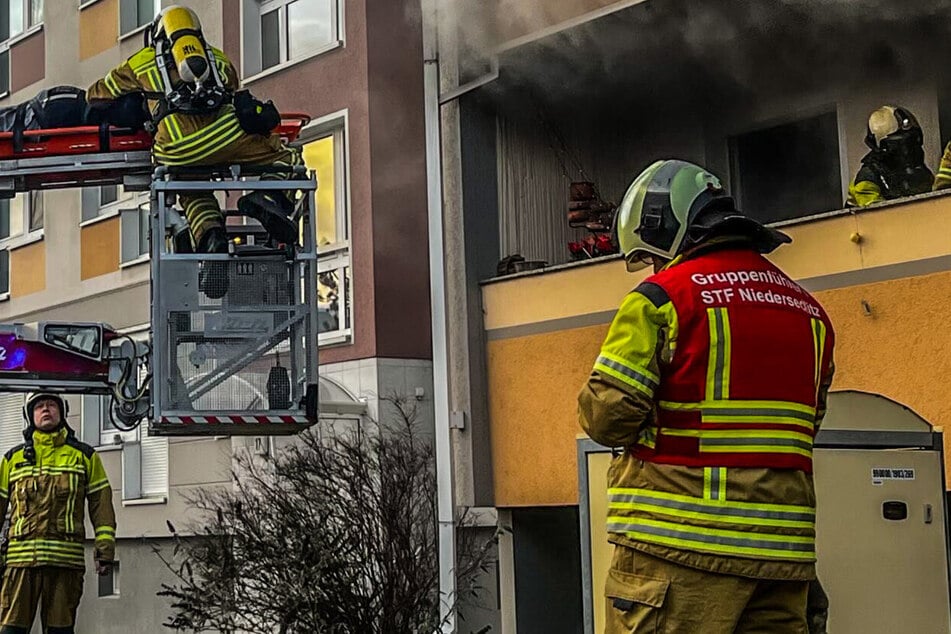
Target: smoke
703, 53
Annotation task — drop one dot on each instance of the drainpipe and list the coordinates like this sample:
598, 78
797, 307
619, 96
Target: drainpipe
437, 289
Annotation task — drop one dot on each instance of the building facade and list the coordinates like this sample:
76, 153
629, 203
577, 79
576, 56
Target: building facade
537, 96
82, 254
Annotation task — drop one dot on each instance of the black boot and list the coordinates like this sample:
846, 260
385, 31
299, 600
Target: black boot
272, 210
213, 278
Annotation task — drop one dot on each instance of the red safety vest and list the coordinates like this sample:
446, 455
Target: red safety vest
741, 388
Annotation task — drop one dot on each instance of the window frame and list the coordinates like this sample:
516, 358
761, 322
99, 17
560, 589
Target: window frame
125, 200
156, 7
797, 116
141, 212
252, 65
112, 576
337, 256
117, 438
28, 13
5, 48
21, 239
27, 27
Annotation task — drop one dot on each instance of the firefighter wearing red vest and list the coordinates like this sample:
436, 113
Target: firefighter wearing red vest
713, 381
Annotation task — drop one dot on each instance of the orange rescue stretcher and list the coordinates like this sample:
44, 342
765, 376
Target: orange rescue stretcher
90, 155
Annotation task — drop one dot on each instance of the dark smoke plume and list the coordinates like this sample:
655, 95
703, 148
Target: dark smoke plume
709, 52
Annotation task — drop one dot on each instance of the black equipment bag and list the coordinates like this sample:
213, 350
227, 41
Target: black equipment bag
255, 116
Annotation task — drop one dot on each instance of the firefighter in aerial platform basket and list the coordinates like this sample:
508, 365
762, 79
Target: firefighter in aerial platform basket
200, 118
45, 483
895, 166
711, 382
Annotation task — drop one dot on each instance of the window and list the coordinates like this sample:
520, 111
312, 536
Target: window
23, 211
286, 30
18, 16
325, 154
20, 216
134, 233
11, 421
97, 425
4, 272
108, 194
136, 13
788, 171
109, 582
34, 14
105, 200
4, 70
35, 211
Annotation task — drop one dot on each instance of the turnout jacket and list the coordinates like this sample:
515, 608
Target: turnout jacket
45, 499
713, 379
181, 139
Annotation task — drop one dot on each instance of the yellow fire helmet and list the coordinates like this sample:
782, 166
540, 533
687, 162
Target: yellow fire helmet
181, 29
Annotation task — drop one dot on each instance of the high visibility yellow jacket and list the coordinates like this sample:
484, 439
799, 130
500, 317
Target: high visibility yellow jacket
180, 139
752, 521
943, 177
47, 526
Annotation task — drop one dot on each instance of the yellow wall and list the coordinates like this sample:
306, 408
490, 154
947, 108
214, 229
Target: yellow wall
28, 269
98, 28
533, 386
99, 244
545, 330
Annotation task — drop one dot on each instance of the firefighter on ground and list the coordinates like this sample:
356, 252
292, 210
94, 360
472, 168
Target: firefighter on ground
200, 118
45, 483
711, 383
895, 166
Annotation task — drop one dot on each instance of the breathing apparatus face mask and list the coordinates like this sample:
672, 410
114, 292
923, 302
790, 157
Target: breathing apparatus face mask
902, 150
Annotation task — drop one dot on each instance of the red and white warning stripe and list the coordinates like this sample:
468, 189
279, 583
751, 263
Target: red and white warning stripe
233, 420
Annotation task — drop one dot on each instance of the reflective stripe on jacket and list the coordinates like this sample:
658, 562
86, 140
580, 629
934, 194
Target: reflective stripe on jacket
741, 389
942, 179
659, 391
46, 499
181, 139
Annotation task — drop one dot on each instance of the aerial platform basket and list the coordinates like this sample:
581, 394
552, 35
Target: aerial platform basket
245, 363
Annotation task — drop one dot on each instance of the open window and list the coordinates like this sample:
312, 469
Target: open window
787, 171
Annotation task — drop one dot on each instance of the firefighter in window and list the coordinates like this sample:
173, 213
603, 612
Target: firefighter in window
46, 483
198, 117
711, 384
895, 166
